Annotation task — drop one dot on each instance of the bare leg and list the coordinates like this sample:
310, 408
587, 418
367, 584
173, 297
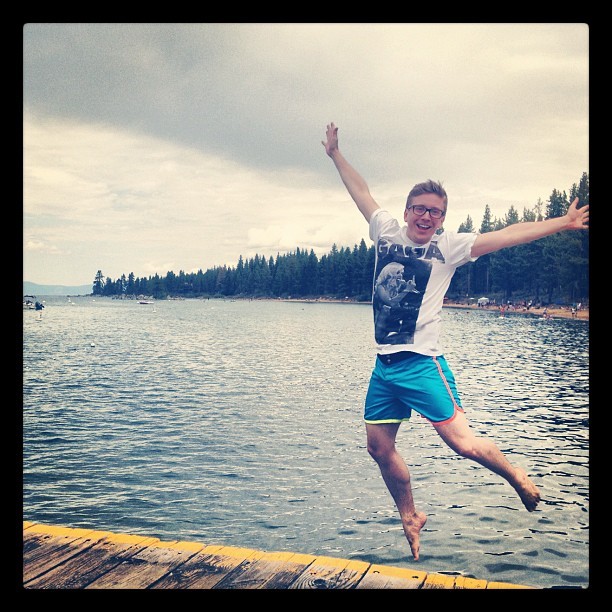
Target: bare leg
381, 446
460, 437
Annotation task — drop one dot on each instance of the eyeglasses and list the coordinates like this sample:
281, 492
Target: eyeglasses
434, 213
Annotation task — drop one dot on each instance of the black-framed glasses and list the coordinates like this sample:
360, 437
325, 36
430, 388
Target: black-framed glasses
420, 210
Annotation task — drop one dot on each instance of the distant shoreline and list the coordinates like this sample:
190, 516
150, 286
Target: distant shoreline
558, 312
554, 312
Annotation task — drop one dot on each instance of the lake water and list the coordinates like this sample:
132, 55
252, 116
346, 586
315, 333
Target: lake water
240, 423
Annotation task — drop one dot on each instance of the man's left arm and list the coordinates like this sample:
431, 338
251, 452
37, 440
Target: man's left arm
528, 231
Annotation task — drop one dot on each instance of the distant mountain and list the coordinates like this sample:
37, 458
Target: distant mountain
36, 289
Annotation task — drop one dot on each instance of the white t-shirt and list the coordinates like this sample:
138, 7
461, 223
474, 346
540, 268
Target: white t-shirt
410, 282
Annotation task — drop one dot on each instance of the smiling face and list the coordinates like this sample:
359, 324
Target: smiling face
422, 228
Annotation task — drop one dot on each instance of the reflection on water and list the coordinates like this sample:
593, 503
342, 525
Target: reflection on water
240, 422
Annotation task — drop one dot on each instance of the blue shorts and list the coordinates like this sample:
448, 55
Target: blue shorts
418, 382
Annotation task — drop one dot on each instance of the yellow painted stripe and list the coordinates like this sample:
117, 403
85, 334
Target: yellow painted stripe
506, 585
186, 546
211, 549
463, 582
440, 581
240, 553
126, 538
67, 531
398, 572
302, 558
278, 556
331, 561
357, 566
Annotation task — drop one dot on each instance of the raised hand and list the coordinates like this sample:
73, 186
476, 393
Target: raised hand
579, 217
332, 139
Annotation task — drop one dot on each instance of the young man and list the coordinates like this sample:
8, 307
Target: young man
414, 268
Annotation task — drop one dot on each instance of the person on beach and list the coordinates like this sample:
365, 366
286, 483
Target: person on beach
411, 372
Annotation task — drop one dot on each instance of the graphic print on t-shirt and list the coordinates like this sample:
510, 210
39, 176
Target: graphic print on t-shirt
401, 277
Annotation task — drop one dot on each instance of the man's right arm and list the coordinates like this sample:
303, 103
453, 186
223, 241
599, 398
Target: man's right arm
353, 181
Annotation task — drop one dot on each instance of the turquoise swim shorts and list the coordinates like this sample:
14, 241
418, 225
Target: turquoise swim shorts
401, 383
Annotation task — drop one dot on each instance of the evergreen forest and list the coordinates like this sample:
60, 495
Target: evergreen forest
551, 270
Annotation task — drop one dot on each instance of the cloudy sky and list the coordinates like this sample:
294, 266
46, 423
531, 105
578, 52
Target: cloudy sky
157, 147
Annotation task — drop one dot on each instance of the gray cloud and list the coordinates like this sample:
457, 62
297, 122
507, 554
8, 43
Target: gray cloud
499, 112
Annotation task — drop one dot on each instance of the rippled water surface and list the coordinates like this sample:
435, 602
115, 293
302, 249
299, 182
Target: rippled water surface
240, 423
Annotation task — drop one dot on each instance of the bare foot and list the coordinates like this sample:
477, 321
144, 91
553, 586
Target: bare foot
412, 528
528, 492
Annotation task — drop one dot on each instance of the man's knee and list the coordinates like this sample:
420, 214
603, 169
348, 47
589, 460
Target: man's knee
462, 445
466, 450
380, 452
470, 447
373, 450
381, 442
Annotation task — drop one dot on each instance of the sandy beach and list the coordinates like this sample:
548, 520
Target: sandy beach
555, 313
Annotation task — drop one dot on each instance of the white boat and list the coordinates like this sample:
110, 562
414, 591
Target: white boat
29, 302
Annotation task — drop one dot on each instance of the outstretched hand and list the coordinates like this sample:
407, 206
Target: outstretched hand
578, 217
332, 139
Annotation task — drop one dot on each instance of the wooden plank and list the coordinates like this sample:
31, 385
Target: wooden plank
383, 577
270, 570
91, 562
35, 536
331, 573
205, 569
33, 542
147, 566
42, 552
289, 571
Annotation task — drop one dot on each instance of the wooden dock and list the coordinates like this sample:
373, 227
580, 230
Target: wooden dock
68, 558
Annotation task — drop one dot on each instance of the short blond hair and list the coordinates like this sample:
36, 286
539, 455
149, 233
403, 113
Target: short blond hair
428, 186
